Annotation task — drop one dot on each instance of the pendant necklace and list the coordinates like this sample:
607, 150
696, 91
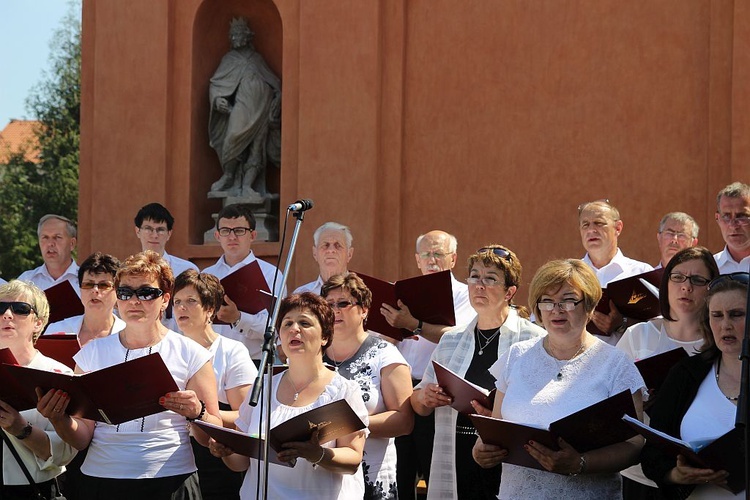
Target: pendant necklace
566, 362
487, 340
718, 369
296, 392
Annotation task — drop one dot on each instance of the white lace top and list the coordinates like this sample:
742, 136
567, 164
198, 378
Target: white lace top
527, 375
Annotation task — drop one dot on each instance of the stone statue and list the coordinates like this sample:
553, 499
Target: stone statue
245, 121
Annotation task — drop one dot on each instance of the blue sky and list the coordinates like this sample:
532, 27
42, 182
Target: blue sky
26, 27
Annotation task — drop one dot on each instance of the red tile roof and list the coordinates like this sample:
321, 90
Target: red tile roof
18, 135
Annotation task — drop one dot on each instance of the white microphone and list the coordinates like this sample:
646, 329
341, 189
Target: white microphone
300, 205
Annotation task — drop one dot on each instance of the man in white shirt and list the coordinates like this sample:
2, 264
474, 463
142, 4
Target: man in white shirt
57, 240
235, 231
600, 226
677, 230
153, 227
733, 217
436, 251
332, 250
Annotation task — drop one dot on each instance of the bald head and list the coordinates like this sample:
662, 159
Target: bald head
436, 251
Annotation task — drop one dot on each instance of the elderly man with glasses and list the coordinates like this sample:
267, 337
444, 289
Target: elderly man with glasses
235, 231
677, 230
733, 217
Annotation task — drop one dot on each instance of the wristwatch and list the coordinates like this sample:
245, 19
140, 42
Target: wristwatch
418, 329
26, 432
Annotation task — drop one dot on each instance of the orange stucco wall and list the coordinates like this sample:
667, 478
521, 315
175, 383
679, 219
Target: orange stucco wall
491, 120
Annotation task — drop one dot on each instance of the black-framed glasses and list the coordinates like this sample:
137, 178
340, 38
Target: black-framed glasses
17, 308
500, 252
564, 305
145, 293
102, 285
160, 231
238, 231
342, 304
740, 277
694, 279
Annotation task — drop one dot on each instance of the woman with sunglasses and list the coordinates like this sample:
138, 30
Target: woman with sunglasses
149, 457
382, 374
96, 277
682, 295
698, 400
25, 311
544, 379
197, 297
469, 351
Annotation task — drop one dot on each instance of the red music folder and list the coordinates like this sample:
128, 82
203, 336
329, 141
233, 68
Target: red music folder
724, 453
429, 298
60, 347
241, 443
247, 287
64, 302
462, 391
115, 394
655, 368
588, 429
11, 392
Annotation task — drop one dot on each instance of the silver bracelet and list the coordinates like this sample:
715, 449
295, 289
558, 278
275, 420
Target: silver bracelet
583, 467
322, 456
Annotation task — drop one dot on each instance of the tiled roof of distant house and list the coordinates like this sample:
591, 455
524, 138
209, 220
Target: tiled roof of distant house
18, 135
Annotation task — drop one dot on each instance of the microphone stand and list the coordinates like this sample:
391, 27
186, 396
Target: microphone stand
742, 402
269, 348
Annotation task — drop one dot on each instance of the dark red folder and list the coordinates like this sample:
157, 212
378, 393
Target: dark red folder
247, 287
428, 297
239, 442
333, 420
64, 302
11, 392
655, 368
724, 453
115, 394
60, 347
631, 297
462, 391
588, 429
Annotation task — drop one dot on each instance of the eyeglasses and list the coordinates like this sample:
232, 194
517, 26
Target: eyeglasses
584, 205
102, 286
564, 305
342, 304
433, 255
17, 308
694, 279
238, 231
500, 252
160, 231
145, 293
681, 237
488, 281
739, 219
740, 277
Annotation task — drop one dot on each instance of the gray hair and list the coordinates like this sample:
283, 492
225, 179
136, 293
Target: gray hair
334, 226
70, 226
734, 190
452, 242
682, 218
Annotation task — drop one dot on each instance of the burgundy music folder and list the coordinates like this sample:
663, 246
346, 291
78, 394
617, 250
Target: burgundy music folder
462, 391
239, 442
115, 394
428, 297
64, 302
655, 368
60, 347
247, 287
11, 392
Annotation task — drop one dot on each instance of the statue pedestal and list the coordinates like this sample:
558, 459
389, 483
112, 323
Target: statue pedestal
265, 210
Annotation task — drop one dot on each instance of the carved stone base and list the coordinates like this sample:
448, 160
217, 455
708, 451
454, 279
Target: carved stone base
265, 210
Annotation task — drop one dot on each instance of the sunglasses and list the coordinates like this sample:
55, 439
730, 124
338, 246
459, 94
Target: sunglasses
500, 252
103, 286
739, 277
342, 304
144, 293
17, 308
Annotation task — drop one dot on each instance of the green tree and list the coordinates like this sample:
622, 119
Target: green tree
30, 190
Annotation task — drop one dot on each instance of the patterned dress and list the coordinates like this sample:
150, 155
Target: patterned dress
364, 367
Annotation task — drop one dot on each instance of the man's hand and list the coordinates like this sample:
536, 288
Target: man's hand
228, 313
399, 317
608, 323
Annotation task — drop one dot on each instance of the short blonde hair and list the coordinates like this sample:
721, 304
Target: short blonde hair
149, 264
554, 274
28, 292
